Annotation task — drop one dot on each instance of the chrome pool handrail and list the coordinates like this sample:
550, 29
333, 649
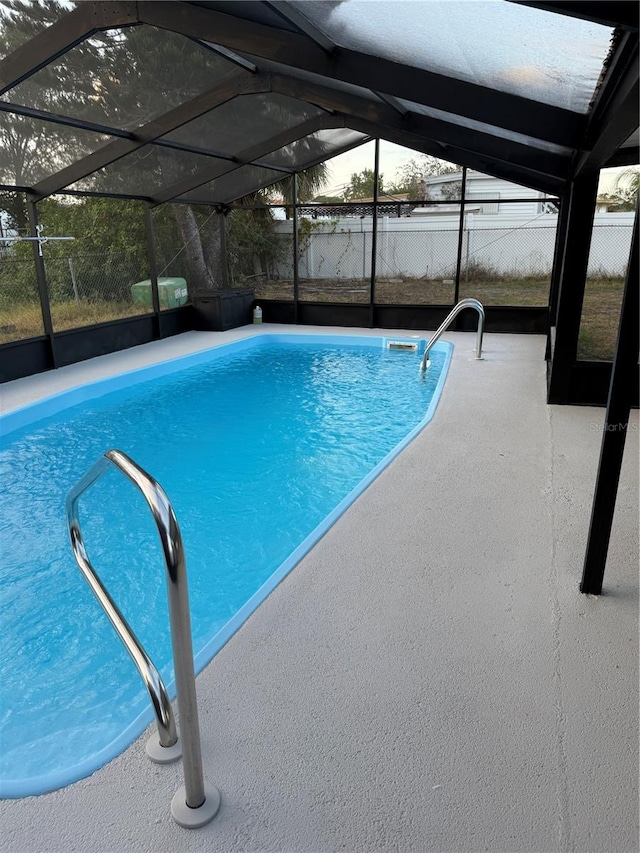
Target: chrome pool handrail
196, 802
460, 306
163, 711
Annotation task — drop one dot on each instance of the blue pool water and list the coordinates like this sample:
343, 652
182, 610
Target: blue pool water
260, 445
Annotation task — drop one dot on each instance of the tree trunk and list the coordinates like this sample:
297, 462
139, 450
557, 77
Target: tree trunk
212, 245
199, 274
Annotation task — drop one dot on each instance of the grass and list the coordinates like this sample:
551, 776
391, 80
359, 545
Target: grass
600, 318
406, 291
20, 322
73, 315
601, 308
25, 321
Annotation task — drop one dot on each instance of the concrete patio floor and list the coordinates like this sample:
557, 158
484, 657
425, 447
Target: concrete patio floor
428, 678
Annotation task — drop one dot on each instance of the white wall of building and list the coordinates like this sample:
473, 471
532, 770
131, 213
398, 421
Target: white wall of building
487, 188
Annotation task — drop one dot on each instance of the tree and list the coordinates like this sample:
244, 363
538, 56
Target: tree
410, 177
124, 79
309, 182
32, 149
361, 185
328, 199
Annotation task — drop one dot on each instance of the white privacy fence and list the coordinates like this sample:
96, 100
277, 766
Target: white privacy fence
426, 246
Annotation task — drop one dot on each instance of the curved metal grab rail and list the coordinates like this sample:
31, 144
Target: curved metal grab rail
464, 303
167, 733
196, 797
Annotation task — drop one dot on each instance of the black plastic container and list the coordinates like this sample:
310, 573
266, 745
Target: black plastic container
216, 311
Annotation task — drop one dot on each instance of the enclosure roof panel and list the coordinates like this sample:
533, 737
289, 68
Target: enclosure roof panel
123, 77
145, 171
549, 58
234, 185
314, 148
227, 128
33, 149
166, 89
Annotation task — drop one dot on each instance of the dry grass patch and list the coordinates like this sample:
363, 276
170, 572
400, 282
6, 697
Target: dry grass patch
600, 315
25, 321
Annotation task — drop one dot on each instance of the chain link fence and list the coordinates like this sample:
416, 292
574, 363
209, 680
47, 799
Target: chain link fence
20, 312
85, 289
259, 256
416, 264
608, 261
609, 251
334, 266
507, 266
416, 260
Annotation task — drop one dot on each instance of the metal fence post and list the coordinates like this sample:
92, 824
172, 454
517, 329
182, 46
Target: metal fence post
74, 283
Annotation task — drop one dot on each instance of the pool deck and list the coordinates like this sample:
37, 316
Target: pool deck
428, 678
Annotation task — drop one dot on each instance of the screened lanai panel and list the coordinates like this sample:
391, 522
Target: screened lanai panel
31, 150
242, 122
312, 148
19, 25
145, 171
234, 185
123, 78
550, 58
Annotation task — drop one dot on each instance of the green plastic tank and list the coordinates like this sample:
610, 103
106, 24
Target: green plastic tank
172, 292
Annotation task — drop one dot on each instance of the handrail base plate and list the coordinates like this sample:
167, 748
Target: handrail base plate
193, 818
162, 754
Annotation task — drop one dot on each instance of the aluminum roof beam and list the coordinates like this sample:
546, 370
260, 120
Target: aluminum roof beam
241, 84
463, 157
247, 157
516, 155
392, 102
290, 13
59, 38
610, 13
66, 121
624, 157
615, 114
518, 114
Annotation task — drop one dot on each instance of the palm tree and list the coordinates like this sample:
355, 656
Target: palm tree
626, 188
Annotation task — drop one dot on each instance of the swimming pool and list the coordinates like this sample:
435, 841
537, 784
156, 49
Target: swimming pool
260, 445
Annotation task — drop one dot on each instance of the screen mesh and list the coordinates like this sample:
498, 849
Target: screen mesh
244, 121
123, 78
146, 171
310, 149
31, 149
237, 184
